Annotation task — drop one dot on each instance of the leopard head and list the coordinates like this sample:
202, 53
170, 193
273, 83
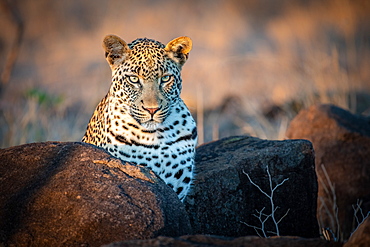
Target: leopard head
146, 79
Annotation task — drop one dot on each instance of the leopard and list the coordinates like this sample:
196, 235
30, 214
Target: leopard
142, 119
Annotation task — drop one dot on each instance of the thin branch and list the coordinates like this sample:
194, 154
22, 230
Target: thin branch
284, 215
256, 185
273, 208
357, 208
255, 228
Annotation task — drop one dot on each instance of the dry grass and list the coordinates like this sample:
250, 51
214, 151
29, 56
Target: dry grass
253, 66
41, 117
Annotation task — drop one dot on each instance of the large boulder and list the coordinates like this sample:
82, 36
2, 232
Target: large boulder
342, 145
226, 199
75, 194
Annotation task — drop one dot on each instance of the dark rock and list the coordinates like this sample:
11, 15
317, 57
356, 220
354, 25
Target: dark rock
223, 197
361, 237
209, 241
342, 145
75, 194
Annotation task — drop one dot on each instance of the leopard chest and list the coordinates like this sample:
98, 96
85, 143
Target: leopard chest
167, 150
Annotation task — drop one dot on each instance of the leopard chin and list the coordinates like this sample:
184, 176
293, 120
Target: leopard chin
151, 125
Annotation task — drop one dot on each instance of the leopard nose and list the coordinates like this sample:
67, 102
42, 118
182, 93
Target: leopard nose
152, 111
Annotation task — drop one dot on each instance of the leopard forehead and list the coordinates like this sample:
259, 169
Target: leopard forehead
148, 59
145, 43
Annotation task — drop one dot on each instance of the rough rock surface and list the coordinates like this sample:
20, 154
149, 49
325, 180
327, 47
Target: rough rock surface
223, 197
361, 237
75, 194
342, 145
209, 241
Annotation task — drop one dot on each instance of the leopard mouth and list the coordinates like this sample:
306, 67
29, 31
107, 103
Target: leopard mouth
148, 120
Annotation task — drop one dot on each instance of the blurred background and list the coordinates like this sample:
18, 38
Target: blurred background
253, 66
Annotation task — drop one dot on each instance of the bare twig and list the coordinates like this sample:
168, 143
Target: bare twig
357, 209
262, 217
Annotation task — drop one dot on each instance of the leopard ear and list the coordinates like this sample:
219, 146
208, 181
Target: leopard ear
178, 49
116, 50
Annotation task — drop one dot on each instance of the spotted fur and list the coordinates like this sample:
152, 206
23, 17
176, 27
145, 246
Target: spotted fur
142, 119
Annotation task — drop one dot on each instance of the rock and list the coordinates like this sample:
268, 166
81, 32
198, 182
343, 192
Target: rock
75, 194
223, 197
361, 237
209, 241
342, 145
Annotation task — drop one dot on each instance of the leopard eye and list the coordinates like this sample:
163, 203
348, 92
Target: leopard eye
166, 78
133, 79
